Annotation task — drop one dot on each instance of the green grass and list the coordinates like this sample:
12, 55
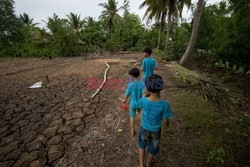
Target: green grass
218, 137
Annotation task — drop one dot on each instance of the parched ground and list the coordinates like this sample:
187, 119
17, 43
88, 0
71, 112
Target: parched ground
60, 125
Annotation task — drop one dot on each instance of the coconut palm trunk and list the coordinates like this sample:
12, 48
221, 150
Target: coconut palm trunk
161, 28
192, 40
159, 38
168, 31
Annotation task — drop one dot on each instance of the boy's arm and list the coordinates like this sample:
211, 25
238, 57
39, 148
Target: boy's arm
167, 115
126, 98
139, 115
142, 65
166, 122
155, 65
127, 94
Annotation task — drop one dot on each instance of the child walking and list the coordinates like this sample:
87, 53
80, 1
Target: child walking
155, 112
148, 64
135, 90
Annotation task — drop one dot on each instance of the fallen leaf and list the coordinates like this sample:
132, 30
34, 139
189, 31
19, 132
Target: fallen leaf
245, 114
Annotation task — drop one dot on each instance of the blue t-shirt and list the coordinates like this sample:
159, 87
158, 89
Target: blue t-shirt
153, 113
148, 65
135, 90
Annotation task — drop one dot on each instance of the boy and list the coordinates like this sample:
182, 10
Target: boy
155, 112
148, 64
135, 89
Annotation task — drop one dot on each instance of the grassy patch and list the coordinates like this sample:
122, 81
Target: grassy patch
220, 139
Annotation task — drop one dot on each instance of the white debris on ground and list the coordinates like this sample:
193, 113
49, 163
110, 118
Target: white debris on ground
36, 85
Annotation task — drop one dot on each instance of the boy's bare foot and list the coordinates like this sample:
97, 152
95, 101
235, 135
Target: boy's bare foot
153, 161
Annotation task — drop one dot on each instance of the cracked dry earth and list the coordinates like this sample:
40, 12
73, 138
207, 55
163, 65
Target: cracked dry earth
38, 126
58, 124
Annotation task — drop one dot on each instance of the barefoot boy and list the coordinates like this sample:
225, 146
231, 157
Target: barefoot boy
155, 112
148, 64
135, 89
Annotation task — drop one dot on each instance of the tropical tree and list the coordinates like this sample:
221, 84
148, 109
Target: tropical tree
129, 30
156, 9
181, 4
76, 23
110, 13
93, 33
54, 24
29, 28
26, 20
175, 7
192, 40
64, 41
126, 6
10, 25
159, 9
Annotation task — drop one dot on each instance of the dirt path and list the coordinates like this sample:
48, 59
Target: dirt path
102, 144
59, 125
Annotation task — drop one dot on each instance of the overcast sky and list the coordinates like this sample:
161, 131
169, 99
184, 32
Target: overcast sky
42, 9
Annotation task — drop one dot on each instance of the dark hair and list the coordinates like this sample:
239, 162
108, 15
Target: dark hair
148, 51
134, 72
154, 83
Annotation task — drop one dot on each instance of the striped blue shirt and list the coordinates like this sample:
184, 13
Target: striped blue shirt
135, 90
148, 65
153, 113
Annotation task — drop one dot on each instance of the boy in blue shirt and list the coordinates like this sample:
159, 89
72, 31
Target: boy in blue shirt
148, 64
135, 90
155, 112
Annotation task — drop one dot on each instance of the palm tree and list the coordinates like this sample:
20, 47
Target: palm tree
156, 9
174, 7
25, 19
110, 13
192, 40
159, 9
180, 6
76, 23
171, 9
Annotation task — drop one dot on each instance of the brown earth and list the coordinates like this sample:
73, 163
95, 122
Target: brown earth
59, 125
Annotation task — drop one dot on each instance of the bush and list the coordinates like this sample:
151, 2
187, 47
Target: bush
112, 45
161, 55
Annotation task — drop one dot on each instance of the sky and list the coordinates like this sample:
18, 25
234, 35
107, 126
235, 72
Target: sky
42, 9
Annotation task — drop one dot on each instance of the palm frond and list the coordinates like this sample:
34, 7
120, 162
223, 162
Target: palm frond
208, 88
27, 20
110, 13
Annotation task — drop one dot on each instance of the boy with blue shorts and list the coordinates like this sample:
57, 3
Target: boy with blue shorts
148, 64
155, 112
135, 90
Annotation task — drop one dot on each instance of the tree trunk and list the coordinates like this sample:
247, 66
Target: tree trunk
192, 40
159, 38
131, 42
161, 28
168, 31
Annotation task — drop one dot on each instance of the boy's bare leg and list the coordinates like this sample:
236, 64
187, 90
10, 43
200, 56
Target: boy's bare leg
141, 157
151, 159
132, 124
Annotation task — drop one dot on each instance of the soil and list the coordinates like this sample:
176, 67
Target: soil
60, 125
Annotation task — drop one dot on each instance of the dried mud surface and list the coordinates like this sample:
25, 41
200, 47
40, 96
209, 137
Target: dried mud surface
38, 125
59, 125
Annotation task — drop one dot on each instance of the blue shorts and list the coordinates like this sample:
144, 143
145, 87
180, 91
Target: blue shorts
132, 111
150, 139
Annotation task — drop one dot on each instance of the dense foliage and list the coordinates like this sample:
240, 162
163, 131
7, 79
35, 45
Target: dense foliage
223, 34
